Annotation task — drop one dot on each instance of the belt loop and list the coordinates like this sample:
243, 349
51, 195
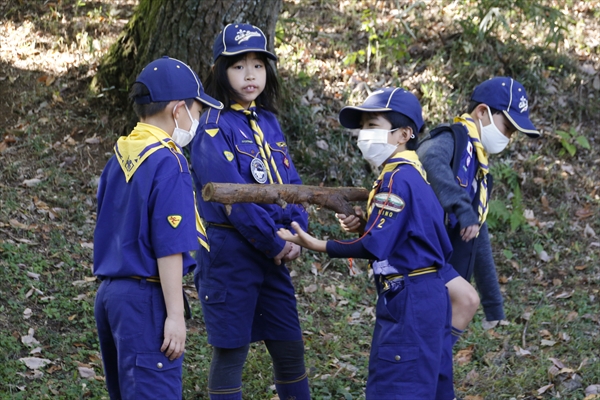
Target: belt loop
143, 283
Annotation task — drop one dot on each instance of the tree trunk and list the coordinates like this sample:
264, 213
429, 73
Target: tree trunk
182, 29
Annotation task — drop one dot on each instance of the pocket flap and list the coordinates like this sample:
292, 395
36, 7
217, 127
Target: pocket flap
211, 295
398, 353
157, 361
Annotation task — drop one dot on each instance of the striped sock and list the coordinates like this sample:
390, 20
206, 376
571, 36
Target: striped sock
296, 389
225, 393
456, 334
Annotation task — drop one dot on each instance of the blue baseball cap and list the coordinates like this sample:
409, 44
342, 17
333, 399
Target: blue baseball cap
169, 79
507, 95
237, 39
388, 99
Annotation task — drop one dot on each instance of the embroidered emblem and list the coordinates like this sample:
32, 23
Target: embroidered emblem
129, 164
258, 170
282, 144
243, 134
228, 155
212, 132
523, 104
244, 35
286, 162
389, 202
247, 141
174, 220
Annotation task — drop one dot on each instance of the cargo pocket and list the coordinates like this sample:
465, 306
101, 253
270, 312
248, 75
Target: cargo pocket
212, 295
157, 376
396, 367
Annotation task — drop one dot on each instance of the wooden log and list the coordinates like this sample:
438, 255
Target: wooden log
337, 199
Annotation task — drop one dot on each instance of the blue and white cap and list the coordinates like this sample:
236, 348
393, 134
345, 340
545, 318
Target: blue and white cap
237, 39
507, 95
169, 79
388, 99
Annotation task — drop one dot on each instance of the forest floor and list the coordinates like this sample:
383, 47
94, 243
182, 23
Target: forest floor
545, 219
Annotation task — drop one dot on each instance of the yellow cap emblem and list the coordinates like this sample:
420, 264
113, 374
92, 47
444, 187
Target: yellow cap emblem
174, 220
228, 155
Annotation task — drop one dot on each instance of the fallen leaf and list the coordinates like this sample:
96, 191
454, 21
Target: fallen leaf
16, 224
544, 256
521, 352
310, 288
592, 389
28, 339
565, 295
571, 316
32, 182
487, 325
547, 343
87, 373
34, 362
543, 389
557, 362
27, 313
588, 231
584, 213
464, 356
33, 275
580, 267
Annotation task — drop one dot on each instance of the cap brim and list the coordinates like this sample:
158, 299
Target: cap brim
209, 101
350, 115
523, 124
235, 53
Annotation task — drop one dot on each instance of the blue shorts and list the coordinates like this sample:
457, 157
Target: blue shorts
245, 297
130, 317
411, 356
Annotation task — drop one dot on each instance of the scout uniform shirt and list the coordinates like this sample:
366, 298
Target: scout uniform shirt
145, 206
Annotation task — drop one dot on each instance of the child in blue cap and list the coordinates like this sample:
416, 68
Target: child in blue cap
498, 108
146, 226
406, 241
243, 284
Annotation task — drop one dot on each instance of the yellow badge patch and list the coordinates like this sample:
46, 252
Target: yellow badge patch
212, 132
228, 155
281, 144
174, 220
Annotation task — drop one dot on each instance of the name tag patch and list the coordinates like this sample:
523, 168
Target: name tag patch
390, 203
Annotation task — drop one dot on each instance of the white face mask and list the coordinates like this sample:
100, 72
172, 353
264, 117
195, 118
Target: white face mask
374, 146
181, 136
492, 139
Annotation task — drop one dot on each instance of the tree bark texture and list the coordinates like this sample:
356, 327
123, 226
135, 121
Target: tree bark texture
182, 29
336, 199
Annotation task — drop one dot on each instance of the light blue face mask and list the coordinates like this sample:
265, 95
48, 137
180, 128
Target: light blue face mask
181, 136
374, 146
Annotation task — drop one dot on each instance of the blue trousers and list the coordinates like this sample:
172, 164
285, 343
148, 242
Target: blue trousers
411, 354
130, 317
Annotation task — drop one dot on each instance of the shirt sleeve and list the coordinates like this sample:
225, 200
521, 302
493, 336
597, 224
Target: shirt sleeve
436, 156
348, 249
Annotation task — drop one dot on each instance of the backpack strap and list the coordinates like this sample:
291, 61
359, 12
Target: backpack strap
461, 138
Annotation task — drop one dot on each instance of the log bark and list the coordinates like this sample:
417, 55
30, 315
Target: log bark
183, 29
336, 199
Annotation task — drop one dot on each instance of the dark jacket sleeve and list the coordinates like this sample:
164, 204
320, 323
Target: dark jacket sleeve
436, 155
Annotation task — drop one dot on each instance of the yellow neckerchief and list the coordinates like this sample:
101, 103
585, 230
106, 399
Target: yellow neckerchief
259, 137
404, 157
482, 158
142, 142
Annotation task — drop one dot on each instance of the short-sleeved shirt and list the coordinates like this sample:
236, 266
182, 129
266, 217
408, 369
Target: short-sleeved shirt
149, 217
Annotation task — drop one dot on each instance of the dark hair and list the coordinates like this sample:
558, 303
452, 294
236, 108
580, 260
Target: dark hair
138, 89
219, 87
399, 120
473, 104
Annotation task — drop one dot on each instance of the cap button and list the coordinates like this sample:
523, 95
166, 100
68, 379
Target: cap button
159, 365
397, 358
206, 298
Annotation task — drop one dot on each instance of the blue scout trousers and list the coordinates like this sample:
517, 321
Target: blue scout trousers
245, 297
130, 316
411, 353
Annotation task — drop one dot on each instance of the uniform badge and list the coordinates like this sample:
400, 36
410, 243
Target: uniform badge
258, 170
390, 203
212, 132
286, 162
281, 144
174, 220
228, 155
